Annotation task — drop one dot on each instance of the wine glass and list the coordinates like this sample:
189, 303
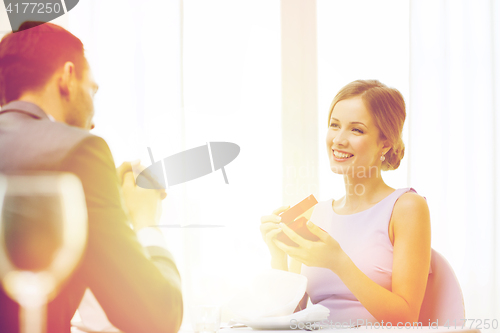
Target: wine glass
43, 233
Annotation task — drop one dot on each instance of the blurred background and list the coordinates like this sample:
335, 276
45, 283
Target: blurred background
175, 74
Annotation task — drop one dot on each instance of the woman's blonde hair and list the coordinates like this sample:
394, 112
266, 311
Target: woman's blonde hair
387, 107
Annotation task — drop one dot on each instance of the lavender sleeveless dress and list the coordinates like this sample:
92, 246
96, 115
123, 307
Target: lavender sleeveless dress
364, 236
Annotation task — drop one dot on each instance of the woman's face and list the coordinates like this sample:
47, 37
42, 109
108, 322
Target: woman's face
352, 130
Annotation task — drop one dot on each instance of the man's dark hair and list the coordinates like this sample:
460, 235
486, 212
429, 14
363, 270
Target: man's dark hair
31, 55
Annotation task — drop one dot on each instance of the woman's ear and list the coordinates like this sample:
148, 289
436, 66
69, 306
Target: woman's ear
67, 79
387, 146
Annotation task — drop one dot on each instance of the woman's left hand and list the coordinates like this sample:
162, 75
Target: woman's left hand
326, 252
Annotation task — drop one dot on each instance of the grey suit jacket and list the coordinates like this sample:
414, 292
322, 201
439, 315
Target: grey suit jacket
138, 288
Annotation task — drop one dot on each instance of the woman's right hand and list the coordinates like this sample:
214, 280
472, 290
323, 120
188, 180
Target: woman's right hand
269, 229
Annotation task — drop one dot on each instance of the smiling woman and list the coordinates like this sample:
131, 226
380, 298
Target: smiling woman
386, 117
372, 260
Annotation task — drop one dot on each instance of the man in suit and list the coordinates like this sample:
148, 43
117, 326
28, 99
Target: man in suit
47, 90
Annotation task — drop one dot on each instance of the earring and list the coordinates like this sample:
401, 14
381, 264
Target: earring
382, 158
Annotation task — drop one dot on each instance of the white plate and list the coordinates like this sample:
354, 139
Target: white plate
276, 323
313, 314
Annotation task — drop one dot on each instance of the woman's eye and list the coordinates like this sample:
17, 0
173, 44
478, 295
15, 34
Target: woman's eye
360, 131
332, 125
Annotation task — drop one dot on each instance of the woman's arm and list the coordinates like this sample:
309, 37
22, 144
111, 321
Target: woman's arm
411, 262
279, 262
282, 262
269, 230
295, 266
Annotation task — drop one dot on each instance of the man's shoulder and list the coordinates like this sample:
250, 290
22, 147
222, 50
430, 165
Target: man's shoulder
44, 144
70, 140
73, 134
64, 139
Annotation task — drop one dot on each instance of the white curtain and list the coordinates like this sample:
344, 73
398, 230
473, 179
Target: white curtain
454, 143
175, 75
360, 39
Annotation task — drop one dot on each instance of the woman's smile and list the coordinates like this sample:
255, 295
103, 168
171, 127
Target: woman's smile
341, 156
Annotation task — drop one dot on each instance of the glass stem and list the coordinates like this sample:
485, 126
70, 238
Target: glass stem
32, 319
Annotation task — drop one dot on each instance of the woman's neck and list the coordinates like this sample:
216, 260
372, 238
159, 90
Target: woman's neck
363, 191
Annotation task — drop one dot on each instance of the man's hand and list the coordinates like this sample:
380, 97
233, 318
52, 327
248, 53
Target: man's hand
144, 205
